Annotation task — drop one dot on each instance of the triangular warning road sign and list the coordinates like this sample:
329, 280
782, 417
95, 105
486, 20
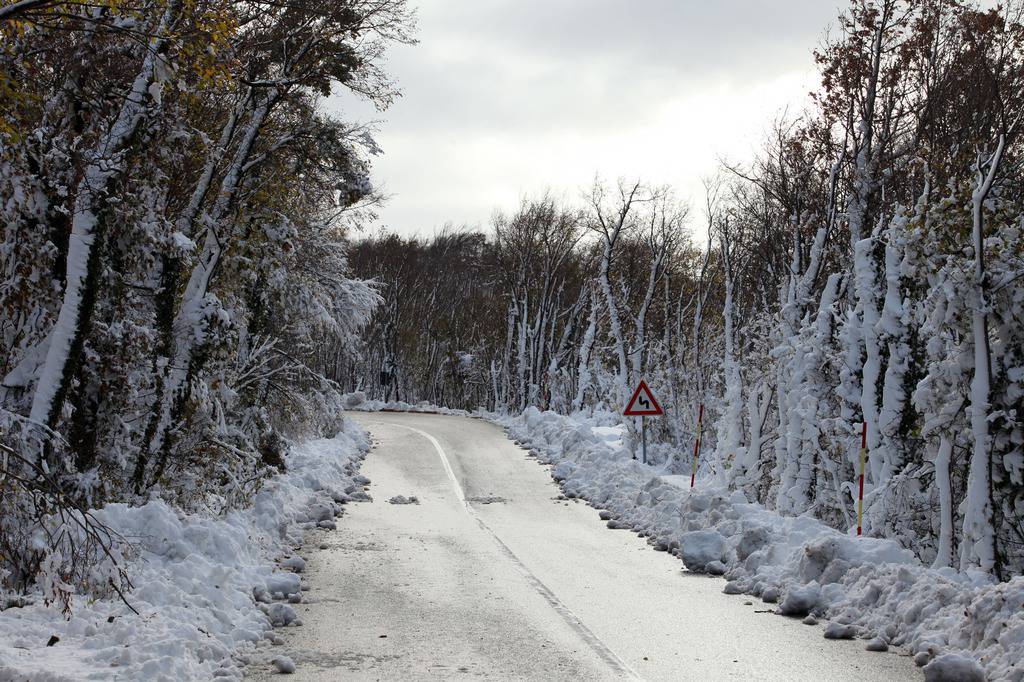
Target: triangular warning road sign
643, 403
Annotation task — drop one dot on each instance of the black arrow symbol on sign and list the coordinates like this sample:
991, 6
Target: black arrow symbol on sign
644, 402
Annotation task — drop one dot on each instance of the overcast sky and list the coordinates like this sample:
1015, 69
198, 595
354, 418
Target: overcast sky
505, 98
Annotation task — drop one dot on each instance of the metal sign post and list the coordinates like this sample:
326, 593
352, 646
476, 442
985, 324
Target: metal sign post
643, 437
863, 458
696, 446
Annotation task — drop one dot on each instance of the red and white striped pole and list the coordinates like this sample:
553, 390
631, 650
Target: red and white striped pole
696, 444
863, 457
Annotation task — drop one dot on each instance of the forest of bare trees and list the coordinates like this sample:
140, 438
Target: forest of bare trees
866, 271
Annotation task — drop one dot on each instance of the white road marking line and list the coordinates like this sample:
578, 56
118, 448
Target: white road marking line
570, 618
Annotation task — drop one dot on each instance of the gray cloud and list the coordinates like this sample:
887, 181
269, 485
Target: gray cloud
504, 97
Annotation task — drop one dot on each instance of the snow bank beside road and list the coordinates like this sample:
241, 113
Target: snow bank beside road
358, 402
206, 589
950, 621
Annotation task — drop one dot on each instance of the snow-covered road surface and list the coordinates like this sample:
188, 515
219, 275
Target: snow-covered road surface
490, 576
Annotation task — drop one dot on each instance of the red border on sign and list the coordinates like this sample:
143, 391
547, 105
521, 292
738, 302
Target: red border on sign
653, 412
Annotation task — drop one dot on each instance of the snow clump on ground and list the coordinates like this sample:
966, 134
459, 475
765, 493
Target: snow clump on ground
207, 588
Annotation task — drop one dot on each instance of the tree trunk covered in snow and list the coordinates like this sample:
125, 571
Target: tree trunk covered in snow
612, 308
893, 333
105, 166
586, 349
865, 287
730, 425
943, 461
978, 548
188, 321
610, 225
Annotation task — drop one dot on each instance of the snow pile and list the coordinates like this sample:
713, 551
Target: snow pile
206, 588
866, 587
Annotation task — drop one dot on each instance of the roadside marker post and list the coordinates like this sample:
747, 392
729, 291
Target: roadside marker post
696, 445
643, 404
863, 457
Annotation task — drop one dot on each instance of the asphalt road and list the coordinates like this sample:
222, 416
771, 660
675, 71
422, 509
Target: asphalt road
491, 577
